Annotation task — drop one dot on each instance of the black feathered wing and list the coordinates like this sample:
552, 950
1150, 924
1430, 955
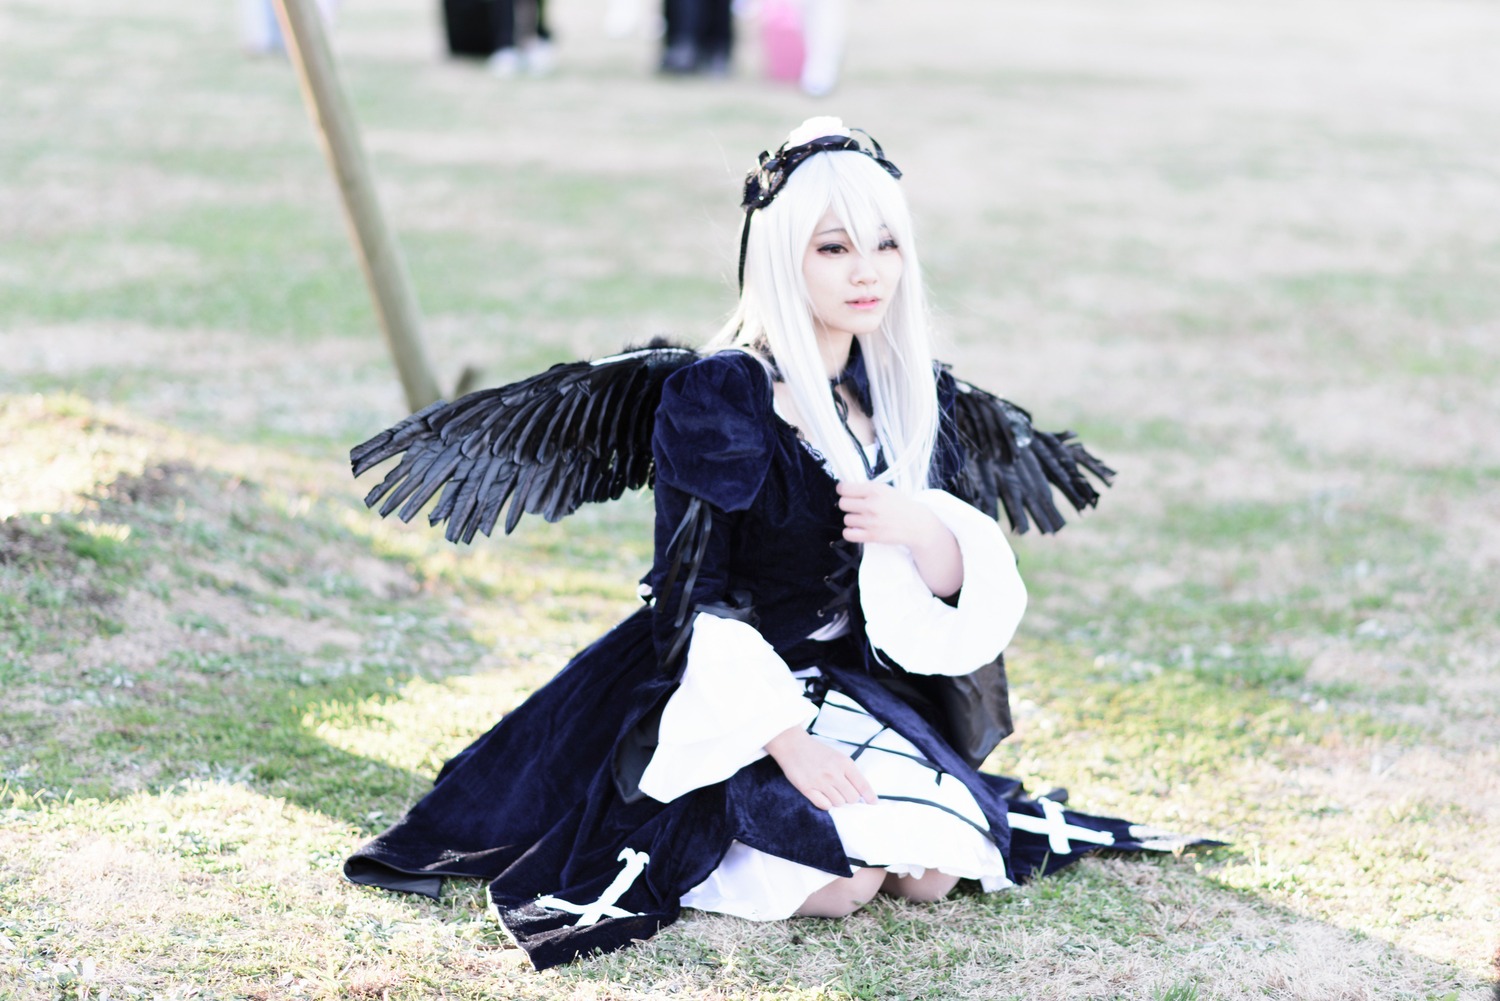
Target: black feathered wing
581, 432
578, 432
1010, 465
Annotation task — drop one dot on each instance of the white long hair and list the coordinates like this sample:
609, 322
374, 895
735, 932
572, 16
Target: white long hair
775, 315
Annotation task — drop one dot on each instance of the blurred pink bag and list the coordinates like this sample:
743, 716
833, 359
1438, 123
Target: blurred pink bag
781, 39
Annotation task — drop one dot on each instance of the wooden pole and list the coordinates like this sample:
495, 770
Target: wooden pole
379, 255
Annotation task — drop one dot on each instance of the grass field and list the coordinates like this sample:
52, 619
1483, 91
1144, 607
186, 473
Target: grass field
1251, 252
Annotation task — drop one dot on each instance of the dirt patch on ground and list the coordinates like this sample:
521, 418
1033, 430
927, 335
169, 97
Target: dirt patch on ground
383, 578
33, 554
196, 621
24, 547
153, 485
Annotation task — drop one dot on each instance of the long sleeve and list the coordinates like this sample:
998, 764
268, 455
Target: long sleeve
925, 634
904, 621
735, 695
733, 691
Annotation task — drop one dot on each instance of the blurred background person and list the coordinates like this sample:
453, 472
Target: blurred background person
525, 40
782, 44
802, 42
511, 35
825, 26
699, 37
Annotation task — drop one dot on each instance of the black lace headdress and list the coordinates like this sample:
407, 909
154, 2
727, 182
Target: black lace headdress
765, 182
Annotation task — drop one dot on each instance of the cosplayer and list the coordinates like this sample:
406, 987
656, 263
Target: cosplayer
794, 721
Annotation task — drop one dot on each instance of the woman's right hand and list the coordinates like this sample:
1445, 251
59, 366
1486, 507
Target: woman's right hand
826, 777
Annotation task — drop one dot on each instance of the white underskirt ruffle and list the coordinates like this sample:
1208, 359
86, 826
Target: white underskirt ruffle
934, 824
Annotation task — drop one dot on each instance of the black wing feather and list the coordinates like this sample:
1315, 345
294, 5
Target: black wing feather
391, 441
433, 474
494, 500
576, 433
580, 432
1009, 465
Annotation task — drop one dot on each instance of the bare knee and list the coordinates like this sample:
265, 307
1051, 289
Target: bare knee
844, 896
927, 888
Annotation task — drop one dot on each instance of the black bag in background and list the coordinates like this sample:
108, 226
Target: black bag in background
477, 27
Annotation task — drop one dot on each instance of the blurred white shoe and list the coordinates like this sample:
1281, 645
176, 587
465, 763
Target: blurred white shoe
818, 88
504, 63
819, 81
538, 57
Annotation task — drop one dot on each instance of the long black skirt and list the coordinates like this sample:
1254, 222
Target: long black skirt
573, 866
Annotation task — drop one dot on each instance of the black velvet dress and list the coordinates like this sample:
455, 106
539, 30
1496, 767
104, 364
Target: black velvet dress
544, 805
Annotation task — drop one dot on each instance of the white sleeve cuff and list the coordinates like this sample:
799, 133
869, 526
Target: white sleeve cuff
736, 694
921, 632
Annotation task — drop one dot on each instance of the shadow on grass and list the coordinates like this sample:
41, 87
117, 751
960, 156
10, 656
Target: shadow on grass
255, 735
188, 624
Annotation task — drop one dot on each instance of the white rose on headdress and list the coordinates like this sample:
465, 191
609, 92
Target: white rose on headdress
817, 128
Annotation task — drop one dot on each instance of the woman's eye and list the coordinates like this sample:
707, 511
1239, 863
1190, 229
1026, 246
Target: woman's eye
831, 248
889, 243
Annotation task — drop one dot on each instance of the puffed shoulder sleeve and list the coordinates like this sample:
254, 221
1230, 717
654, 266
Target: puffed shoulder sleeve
713, 428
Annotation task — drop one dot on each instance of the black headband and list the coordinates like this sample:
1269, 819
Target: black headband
765, 182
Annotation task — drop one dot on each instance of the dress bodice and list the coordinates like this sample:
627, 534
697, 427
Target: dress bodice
776, 544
